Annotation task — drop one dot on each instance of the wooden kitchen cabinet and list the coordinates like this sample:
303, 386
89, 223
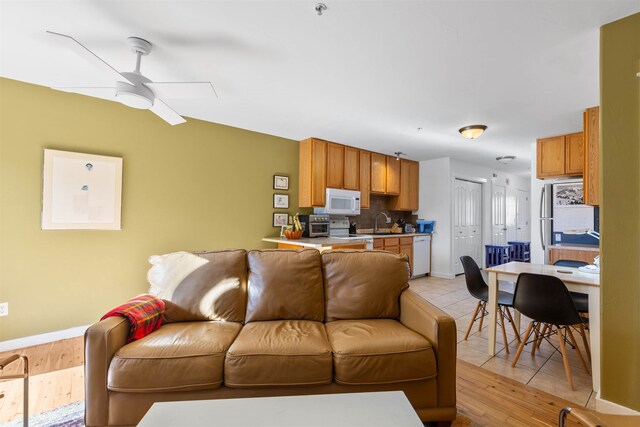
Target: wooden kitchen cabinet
378, 244
392, 244
335, 165
591, 173
352, 169
550, 153
406, 247
312, 183
574, 154
407, 200
560, 156
568, 254
365, 179
393, 176
378, 173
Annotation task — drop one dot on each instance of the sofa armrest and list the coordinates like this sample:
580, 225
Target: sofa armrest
101, 341
440, 329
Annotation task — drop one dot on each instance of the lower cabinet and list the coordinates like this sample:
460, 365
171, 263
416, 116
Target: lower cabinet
395, 245
556, 254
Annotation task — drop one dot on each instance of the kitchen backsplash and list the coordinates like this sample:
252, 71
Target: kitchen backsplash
379, 204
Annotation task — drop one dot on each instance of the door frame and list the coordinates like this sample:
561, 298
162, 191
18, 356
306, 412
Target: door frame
483, 184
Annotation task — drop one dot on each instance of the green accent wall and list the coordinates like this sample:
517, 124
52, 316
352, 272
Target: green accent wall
620, 210
198, 185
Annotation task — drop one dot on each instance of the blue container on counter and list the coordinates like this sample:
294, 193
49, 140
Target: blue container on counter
425, 226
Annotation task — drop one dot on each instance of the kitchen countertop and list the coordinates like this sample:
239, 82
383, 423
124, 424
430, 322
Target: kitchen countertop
576, 246
313, 242
319, 242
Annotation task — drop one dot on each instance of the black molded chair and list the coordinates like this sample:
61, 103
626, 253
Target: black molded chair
580, 300
479, 289
546, 300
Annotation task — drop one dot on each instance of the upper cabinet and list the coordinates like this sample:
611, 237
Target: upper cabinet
351, 169
560, 156
378, 173
574, 153
365, 179
393, 176
335, 165
591, 185
312, 173
407, 200
325, 164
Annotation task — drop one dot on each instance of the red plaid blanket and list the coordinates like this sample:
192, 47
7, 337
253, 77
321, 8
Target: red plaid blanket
144, 313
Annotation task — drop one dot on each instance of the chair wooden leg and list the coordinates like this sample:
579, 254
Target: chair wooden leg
540, 337
484, 310
536, 338
575, 344
565, 359
513, 324
504, 332
585, 341
473, 319
525, 337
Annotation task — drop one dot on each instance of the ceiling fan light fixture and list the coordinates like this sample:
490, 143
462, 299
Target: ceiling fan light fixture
138, 97
505, 160
472, 131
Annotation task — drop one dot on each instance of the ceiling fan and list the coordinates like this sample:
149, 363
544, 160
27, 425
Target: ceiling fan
134, 89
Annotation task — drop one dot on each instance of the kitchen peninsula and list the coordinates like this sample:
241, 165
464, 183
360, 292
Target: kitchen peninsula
319, 243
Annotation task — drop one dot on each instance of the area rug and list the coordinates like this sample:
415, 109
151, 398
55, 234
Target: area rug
71, 415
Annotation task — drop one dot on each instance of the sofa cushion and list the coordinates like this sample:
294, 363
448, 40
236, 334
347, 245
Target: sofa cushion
285, 285
379, 351
215, 291
178, 356
279, 353
363, 285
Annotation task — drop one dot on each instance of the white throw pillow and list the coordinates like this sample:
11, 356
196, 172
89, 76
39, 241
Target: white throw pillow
169, 270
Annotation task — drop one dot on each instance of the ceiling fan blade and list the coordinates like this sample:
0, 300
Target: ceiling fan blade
182, 90
165, 112
96, 92
91, 57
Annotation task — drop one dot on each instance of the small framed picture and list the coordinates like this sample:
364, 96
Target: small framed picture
280, 182
284, 227
281, 201
280, 219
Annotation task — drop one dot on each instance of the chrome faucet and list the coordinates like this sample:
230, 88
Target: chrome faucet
388, 220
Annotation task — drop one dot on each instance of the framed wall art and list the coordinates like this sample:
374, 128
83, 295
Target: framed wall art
281, 201
280, 219
280, 182
81, 191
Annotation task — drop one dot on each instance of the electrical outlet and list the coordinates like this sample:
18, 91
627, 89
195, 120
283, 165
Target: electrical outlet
558, 237
388, 220
4, 309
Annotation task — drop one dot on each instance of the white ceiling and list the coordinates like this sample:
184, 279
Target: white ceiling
366, 73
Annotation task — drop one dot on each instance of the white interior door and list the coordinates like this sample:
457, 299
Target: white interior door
467, 222
523, 216
499, 214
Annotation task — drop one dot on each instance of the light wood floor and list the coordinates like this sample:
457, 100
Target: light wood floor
484, 397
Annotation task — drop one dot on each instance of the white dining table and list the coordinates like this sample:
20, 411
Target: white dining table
574, 279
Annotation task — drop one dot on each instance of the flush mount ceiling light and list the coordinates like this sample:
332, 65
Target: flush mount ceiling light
473, 131
398, 154
505, 160
320, 7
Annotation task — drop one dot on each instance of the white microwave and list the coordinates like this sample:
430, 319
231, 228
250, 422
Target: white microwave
340, 202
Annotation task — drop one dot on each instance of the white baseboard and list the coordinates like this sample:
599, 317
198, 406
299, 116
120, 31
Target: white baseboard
607, 407
443, 275
42, 338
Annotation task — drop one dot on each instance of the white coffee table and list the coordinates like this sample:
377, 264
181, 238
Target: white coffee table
379, 409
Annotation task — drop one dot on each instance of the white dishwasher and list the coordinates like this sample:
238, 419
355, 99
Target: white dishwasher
421, 255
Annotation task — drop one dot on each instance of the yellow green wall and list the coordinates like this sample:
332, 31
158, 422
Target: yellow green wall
193, 186
620, 210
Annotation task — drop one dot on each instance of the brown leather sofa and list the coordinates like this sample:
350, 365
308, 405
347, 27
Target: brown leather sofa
278, 322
